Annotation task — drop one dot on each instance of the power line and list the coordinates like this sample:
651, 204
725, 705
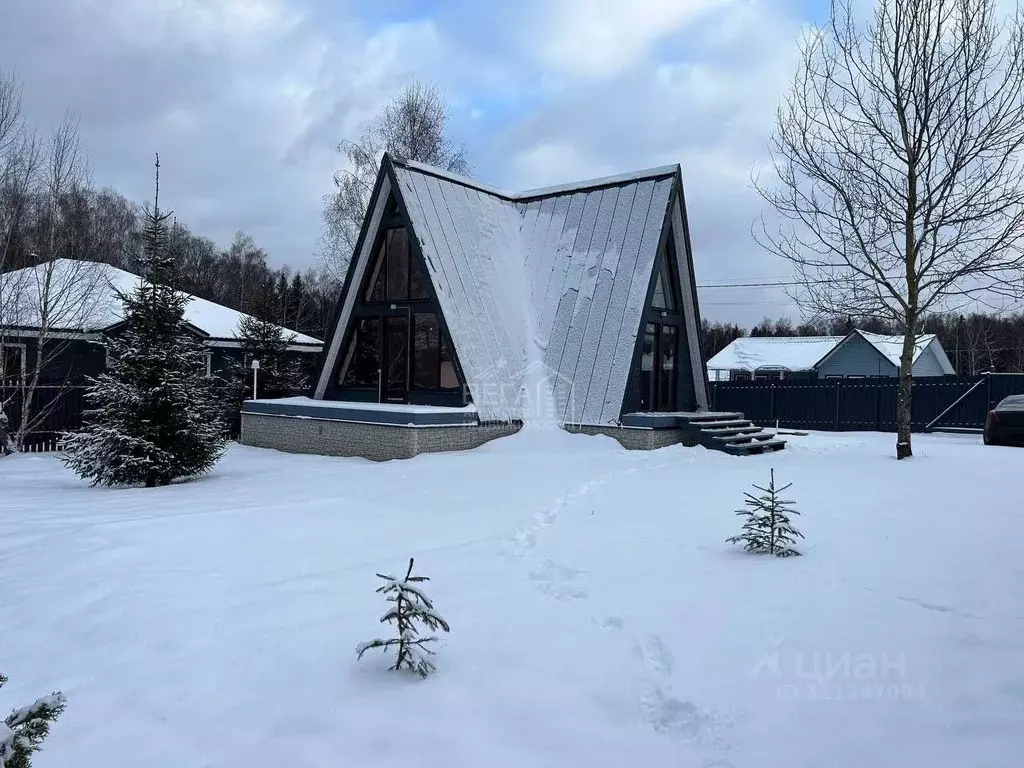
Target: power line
741, 303
751, 285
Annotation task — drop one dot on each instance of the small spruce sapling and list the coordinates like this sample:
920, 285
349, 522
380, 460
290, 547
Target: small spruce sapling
410, 607
22, 732
768, 529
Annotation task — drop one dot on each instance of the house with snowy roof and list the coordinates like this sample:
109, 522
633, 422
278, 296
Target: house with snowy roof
859, 354
468, 312
77, 304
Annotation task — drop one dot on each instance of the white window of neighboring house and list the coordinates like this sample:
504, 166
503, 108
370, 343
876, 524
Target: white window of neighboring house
833, 376
12, 363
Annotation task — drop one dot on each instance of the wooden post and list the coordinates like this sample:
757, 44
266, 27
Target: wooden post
839, 393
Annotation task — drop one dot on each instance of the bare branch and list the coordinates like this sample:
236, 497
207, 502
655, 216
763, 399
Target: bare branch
413, 125
897, 163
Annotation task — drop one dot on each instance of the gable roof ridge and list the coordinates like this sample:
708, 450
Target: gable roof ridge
430, 170
643, 174
877, 340
788, 339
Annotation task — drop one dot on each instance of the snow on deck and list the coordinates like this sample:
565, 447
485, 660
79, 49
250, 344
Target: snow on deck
598, 616
796, 353
356, 406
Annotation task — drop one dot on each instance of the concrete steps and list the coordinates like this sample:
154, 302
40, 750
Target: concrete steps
729, 432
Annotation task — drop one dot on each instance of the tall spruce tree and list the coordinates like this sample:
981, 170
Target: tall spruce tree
153, 416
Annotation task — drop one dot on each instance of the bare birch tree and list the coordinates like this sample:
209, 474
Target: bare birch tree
899, 175
42, 305
413, 125
19, 156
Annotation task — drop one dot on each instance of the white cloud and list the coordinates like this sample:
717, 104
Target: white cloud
602, 37
708, 103
246, 99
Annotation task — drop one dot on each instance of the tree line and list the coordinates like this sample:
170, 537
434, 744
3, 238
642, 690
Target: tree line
104, 226
974, 342
51, 209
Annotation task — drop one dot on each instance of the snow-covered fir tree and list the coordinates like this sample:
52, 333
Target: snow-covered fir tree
278, 375
153, 416
264, 341
23, 730
768, 528
410, 607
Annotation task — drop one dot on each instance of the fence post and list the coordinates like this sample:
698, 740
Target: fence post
839, 391
988, 396
878, 406
771, 404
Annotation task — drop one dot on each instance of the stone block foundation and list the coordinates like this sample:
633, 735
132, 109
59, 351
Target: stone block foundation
379, 442
639, 438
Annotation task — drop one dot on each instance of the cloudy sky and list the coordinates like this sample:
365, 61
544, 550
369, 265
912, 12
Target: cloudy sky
247, 99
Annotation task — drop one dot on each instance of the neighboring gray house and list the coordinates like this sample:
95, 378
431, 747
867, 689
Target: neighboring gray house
468, 312
859, 354
871, 354
77, 303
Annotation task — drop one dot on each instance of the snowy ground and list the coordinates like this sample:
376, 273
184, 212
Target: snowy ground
598, 618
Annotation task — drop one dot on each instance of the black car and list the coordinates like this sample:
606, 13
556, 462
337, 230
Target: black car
1005, 422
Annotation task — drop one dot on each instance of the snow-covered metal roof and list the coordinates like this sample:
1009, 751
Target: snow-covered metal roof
471, 244
789, 353
891, 347
558, 279
83, 296
804, 353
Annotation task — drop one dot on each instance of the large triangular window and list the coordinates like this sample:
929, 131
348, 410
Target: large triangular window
664, 297
662, 333
396, 275
396, 349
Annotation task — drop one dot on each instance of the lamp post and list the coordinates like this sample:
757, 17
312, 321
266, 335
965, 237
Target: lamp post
255, 370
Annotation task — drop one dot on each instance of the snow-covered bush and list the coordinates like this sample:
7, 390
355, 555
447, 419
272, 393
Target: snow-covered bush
410, 607
6, 443
22, 732
153, 417
768, 529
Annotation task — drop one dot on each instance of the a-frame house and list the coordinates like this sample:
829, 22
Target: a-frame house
466, 305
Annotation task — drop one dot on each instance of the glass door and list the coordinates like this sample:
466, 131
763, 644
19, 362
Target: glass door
395, 384
658, 367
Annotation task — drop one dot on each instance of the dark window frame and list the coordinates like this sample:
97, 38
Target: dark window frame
7, 351
380, 273
423, 301
665, 266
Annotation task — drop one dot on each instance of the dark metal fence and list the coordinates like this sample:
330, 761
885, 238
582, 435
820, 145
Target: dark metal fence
839, 404
55, 407
865, 404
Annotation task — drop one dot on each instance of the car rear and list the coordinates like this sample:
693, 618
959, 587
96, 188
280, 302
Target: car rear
1005, 423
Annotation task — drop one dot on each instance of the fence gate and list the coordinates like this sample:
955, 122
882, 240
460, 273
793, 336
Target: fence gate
946, 402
